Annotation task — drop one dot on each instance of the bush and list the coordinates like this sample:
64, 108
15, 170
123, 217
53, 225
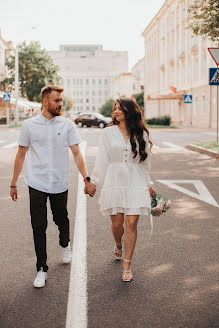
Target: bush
107, 108
162, 120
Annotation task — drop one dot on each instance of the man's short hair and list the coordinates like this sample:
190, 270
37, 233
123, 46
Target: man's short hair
49, 88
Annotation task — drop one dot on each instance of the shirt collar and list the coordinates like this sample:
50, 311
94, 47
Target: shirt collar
45, 120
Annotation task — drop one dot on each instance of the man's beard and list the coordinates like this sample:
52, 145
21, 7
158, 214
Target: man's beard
55, 112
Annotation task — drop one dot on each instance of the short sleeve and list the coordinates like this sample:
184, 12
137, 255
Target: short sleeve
24, 139
73, 135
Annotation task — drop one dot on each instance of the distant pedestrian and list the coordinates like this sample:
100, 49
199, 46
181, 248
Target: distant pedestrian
123, 167
46, 138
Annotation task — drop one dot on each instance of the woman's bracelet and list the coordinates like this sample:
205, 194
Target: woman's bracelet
13, 186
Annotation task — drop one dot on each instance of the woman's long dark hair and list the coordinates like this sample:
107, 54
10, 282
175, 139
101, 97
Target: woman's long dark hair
135, 125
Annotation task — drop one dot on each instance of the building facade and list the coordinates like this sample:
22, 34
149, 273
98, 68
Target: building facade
176, 63
87, 72
5, 47
138, 76
122, 85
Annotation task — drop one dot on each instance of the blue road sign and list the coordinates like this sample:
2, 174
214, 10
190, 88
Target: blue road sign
187, 99
214, 76
7, 97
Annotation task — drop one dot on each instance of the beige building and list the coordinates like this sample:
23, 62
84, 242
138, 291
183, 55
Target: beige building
175, 59
87, 72
138, 76
122, 85
4, 48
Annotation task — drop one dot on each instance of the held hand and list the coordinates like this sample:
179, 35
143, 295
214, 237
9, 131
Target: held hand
90, 188
152, 192
14, 194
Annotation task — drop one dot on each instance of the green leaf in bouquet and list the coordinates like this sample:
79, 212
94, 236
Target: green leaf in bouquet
153, 202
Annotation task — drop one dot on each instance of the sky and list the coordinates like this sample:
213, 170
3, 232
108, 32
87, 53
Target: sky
116, 24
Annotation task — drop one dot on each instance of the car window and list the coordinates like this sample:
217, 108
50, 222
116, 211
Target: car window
100, 116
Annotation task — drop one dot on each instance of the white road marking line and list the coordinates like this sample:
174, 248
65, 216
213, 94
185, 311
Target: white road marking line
171, 145
77, 298
11, 145
203, 193
2, 141
210, 133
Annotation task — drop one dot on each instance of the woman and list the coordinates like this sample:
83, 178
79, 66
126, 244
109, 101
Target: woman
123, 166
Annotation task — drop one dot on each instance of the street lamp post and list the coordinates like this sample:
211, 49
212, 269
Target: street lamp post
16, 85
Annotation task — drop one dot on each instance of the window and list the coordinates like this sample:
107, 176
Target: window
195, 106
93, 81
93, 93
99, 81
204, 66
100, 93
105, 82
195, 75
87, 81
203, 105
87, 100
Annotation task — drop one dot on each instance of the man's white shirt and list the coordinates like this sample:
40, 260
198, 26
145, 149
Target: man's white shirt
47, 167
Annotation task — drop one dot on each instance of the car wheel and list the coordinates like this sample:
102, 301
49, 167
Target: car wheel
80, 124
101, 125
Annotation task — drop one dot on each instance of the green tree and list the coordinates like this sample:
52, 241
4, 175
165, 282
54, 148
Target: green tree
36, 69
107, 108
203, 18
139, 97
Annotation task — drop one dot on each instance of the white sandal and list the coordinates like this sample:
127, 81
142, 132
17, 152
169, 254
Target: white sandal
127, 274
118, 251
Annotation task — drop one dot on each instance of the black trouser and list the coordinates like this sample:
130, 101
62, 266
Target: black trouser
38, 212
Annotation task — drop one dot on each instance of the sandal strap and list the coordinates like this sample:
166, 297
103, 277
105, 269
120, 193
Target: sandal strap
118, 251
126, 260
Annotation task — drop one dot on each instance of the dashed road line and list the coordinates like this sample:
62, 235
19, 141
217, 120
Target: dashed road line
77, 298
11, 145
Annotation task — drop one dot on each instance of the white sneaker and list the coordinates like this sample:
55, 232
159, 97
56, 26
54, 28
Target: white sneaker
66, 254
40, 280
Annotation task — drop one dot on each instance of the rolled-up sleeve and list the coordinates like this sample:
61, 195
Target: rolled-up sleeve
73, 135
101, 162
24, 139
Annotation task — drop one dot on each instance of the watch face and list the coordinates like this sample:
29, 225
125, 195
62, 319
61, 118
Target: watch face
88, 179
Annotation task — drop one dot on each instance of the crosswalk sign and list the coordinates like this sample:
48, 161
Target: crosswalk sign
214, 76
7, 97
187, 99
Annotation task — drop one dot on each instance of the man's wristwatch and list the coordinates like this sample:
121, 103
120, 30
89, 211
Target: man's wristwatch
87, 179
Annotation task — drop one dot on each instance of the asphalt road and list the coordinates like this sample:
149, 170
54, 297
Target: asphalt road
175, 272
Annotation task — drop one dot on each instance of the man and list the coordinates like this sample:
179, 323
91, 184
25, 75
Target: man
46, 138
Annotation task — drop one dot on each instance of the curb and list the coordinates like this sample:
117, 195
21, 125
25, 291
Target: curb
202, 150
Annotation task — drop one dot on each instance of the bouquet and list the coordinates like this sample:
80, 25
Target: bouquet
159, 204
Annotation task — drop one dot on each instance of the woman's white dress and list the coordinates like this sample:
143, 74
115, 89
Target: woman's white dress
125, 180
